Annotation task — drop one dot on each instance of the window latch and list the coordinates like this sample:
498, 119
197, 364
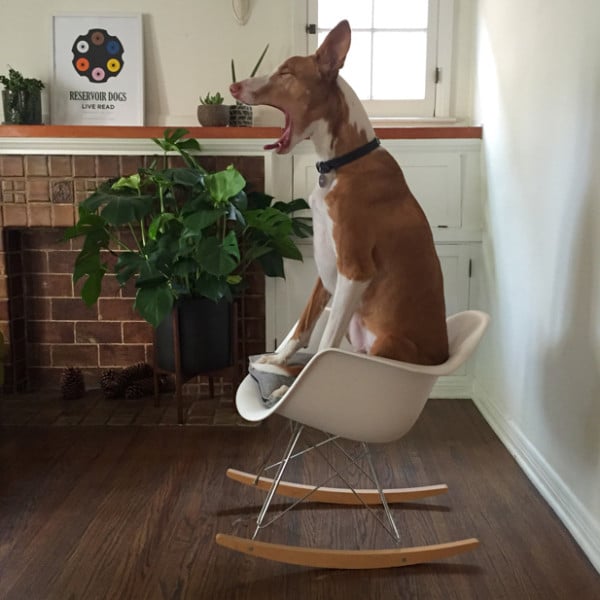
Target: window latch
437, 76
311, 28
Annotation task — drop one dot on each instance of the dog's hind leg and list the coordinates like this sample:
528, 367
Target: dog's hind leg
397, 348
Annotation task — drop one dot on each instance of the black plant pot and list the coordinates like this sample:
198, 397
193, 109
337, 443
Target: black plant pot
204, 336
22, 107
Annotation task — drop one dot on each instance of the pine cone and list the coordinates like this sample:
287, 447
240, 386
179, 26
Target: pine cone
136, 372
140, 388
72, 385
111, 383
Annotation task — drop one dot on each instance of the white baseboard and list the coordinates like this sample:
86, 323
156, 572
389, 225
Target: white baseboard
582, 525
453, 386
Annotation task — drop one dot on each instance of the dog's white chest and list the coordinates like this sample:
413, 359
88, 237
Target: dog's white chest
323, 244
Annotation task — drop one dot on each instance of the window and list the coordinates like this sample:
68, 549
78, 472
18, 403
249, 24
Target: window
399, 61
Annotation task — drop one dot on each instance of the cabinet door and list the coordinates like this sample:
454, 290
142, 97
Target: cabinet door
455, 262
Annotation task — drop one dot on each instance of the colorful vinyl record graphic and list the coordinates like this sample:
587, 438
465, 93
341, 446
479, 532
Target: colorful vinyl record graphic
98, 55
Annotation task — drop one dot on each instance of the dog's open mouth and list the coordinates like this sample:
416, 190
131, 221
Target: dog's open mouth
283, 143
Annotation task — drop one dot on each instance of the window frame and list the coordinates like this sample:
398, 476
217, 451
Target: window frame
436, 105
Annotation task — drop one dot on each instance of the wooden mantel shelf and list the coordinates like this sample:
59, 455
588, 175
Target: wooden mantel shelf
232, 133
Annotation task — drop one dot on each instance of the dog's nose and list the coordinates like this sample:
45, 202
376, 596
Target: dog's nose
235, 89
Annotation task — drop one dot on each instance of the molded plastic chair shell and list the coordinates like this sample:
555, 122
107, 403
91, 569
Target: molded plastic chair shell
362, 397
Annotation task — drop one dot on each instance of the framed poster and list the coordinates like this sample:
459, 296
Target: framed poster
98, 70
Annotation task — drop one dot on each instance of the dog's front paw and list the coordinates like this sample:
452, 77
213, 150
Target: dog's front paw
278, 393
273, 359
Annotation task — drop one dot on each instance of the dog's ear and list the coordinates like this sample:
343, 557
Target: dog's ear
331, 54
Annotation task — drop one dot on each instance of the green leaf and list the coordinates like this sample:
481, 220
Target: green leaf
272, 265
92, 287
302, 227
240, 201
88, 222
201, 219
214, 288
128, 264
255, 252
230, 245
259, 200
87, 263
270, 221
224, 184
287, 248
131, 182
185, 176
184, 267
158, 224
150, 276
215, 258
154, 303
121, 210
292, 206
189, 144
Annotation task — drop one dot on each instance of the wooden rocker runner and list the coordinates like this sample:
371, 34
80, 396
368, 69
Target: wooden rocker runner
323, 397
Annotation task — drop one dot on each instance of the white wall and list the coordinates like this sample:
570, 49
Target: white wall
189, 45
538, 373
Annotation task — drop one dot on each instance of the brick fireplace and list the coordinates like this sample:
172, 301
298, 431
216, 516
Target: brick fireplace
46, 325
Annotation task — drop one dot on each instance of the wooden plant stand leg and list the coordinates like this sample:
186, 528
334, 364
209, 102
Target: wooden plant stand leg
345, 559
332, 495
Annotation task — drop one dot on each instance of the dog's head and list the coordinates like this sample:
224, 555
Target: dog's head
302, 88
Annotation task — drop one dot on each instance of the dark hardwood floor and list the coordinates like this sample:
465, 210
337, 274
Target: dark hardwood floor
131, 513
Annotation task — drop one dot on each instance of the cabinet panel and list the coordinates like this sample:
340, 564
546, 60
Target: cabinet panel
434, 179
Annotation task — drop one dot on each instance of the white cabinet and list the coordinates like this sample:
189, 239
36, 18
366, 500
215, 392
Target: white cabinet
444, 177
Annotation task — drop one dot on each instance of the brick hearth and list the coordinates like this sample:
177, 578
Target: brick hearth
47, 327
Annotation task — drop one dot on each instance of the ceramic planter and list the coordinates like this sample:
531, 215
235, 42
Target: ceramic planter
240, 115
213, 115
204, 337
22, 107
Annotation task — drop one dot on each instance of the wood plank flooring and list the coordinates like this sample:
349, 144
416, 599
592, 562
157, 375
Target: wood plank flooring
131, 513
93, 409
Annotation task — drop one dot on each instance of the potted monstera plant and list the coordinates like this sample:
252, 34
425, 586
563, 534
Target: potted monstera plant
186, 237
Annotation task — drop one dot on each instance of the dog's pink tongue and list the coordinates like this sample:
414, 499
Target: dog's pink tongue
284, 140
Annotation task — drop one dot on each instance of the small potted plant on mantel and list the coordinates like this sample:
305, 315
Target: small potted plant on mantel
21, 99
186, 237
212, 112
240, 114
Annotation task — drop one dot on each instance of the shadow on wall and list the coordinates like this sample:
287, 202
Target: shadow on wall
571, 367
154, 82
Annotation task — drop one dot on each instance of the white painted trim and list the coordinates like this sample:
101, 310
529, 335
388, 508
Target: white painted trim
123, 146
451, 145
453, 386
300, 19
582, 525
444, 58
222, 146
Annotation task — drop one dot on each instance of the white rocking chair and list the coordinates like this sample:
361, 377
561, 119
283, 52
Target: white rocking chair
329, 395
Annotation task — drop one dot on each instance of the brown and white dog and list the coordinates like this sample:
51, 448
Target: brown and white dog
372, 243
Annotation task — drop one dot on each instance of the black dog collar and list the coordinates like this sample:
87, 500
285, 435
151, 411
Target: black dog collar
326, 166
